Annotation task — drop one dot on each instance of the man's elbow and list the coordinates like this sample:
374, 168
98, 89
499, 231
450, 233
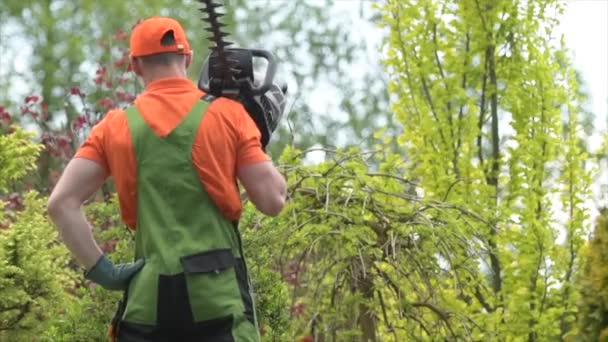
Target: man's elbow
275, 206
270, 204
54, 208
58, 207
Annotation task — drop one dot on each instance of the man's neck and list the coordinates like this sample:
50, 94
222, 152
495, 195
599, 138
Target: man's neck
158, 73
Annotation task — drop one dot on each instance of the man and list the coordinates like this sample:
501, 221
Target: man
175, 159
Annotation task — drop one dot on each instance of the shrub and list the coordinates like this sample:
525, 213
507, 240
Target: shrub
33, 272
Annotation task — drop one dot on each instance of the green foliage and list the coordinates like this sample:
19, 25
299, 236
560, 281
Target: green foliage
356, 246
479, 89
593, 305
270, 291
17, 156
87, 315
33, 273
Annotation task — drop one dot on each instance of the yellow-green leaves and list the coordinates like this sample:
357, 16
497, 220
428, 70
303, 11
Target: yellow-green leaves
593, 303
18, 154
33, 273
484, 99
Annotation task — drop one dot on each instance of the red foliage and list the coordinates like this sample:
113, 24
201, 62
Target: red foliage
5, 117
44, 111
79, 123
293, 272
125, 97
121, 35
56, 145
61, 143
108, 246
100, 75
121, 62
297, 309
14, 202
76, 91
106, 103
31, 98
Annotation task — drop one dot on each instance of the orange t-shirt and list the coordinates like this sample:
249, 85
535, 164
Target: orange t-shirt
227, 139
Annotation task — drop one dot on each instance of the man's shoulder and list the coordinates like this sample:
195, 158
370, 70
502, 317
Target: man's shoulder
226, 106
113, 117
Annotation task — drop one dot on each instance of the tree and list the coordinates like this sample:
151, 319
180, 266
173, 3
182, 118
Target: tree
357, 247
593, 306
483, 92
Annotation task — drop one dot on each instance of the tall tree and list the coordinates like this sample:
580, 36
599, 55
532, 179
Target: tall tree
483, 91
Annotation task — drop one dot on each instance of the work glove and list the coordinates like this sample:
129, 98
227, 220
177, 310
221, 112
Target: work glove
113, 277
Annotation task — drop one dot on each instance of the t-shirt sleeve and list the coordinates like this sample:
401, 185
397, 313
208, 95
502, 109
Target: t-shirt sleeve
93, 148
249, 146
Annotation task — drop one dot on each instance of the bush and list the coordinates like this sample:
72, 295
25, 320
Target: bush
89, 307
33, 272
17, 155
271, 292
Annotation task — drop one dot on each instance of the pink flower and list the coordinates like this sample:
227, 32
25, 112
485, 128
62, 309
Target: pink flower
75, 91
32, 98
79, 122
106, 103
45, 138
119, 63
121, 35
101, 71
124, 97
62, 141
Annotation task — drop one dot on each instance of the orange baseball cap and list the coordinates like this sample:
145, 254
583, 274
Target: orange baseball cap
147, 35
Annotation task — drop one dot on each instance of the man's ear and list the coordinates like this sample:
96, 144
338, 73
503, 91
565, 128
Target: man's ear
135, 64
189, 58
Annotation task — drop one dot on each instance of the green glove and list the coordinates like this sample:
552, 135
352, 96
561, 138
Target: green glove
113, 277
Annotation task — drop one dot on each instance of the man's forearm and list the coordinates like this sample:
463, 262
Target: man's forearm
77, 235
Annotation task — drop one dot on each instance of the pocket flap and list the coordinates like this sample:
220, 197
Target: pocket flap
211, 261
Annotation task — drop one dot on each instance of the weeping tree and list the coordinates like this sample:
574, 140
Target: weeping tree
358, 248
491, 113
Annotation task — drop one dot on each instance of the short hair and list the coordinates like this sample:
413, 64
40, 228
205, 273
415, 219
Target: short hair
165, 58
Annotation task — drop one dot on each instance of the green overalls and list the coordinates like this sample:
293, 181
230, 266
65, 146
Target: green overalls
194, 285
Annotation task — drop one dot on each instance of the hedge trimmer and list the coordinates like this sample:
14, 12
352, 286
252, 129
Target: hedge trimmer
229, 72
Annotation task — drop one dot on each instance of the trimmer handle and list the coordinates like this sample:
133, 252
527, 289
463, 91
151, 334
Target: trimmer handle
270, 71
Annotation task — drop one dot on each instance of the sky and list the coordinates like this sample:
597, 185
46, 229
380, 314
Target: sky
585, 27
